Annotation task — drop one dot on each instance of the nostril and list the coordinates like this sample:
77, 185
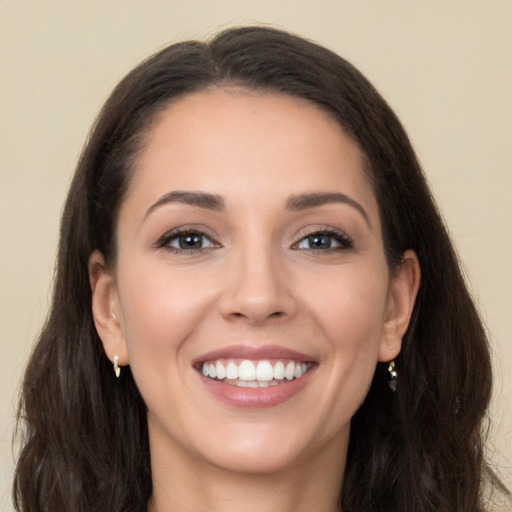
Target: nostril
254, 304
257, 317
276, 314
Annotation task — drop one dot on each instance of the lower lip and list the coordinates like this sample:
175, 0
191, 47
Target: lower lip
255, 398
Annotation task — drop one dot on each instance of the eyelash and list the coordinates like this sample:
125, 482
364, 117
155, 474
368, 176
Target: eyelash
165, 241
344, 241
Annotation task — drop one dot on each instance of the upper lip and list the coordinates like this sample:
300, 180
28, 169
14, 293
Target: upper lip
254, 353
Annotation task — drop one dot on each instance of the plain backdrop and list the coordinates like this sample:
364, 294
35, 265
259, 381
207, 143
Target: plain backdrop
445, 66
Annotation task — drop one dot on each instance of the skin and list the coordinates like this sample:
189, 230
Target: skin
256, 281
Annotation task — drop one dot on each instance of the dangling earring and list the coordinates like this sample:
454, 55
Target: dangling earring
117, 369
393, 376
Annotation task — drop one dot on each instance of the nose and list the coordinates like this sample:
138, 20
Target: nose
258, 288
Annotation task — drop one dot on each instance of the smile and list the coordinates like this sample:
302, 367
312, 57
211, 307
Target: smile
254, 374
244, 376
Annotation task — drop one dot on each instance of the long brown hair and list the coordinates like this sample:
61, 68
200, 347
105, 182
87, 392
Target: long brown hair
85, 440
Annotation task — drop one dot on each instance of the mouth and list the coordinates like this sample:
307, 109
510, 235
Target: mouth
253, 374
249, 377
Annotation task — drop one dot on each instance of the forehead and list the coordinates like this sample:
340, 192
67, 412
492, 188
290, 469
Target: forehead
240, 143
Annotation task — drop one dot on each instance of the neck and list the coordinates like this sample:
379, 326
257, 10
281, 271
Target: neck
186, 486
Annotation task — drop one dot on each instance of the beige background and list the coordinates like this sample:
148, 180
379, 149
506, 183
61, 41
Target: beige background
444, 65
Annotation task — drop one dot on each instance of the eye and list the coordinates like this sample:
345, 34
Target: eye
325, 240
186, 241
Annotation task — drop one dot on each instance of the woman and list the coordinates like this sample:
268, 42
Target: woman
253, 226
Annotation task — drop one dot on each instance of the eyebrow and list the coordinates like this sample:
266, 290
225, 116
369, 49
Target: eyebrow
200, 199
294, 203
313, 200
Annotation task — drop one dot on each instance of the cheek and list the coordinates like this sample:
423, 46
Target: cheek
349, 314
349, 306
160, 309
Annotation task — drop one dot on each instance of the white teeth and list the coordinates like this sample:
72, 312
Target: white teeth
247, 370
264, 371
232, 371
254, 373
290, 371
279, 372
221, 370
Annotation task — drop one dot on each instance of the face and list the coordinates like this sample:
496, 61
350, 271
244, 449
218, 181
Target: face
251, 295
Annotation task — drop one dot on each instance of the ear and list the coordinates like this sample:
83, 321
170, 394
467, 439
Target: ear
106, 309
403, 288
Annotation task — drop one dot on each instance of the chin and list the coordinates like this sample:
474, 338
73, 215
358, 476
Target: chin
251, 460
270, 448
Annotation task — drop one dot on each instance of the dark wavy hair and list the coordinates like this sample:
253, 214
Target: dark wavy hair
84, 433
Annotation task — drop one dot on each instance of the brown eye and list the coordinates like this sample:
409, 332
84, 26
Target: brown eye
189, 241
186, 241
